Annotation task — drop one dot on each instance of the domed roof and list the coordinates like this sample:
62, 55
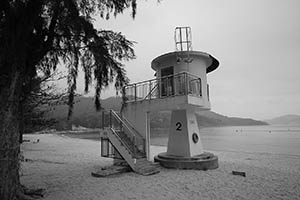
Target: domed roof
213, 62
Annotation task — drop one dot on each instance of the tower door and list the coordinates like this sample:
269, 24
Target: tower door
167, 81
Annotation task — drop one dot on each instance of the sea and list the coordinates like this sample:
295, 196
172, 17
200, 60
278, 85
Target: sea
274, 139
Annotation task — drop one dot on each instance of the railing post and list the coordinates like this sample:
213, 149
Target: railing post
134, 146
176, 84
159, 88
124, 98
150, 89
110, 119
207, 92
146, 141
186, 84
144, 149
120, 123
135, 92
103, 120
200, 87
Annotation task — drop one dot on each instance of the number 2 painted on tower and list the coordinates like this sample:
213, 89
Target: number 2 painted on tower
178, 126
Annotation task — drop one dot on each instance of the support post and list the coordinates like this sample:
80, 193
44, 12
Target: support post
184, 137
148, 135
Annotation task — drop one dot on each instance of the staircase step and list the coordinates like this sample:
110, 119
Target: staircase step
145, 167
147, 172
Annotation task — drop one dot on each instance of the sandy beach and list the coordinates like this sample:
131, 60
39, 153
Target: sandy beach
63, 166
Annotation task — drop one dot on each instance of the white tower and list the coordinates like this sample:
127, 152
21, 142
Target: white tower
180, 86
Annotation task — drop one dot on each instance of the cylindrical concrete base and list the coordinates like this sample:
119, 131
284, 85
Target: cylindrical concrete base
203, 161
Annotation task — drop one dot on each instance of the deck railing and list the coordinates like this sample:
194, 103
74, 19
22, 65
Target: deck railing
167, 86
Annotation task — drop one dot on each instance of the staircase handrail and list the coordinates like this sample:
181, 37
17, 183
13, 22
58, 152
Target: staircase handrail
132, 127
122, 121
123, 143
137, 137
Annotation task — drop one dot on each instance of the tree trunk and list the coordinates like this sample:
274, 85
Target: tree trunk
9, 137
21, 123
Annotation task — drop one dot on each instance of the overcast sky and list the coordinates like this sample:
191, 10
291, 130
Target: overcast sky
256, 41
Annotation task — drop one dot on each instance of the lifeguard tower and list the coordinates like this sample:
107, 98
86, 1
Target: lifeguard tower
181, 87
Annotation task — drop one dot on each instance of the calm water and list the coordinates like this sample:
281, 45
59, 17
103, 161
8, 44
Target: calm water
262, 139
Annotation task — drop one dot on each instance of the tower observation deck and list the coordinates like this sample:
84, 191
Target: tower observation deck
180, 77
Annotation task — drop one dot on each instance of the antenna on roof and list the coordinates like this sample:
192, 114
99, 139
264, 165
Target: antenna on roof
183, 43
183, 38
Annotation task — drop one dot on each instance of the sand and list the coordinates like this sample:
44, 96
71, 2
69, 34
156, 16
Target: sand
63, 166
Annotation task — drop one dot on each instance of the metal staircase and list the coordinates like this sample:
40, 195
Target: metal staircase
121, 140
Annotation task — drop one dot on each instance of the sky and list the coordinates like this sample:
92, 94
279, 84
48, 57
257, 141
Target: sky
257, 43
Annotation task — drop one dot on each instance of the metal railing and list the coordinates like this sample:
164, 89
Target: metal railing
167, 86
125, 132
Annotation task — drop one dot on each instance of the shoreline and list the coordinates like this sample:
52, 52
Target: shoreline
63, 165
162, 141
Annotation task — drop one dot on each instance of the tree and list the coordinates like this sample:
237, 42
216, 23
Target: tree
39, 101
37, 35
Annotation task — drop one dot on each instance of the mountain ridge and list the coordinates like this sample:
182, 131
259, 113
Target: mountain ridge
85, 114
289, 119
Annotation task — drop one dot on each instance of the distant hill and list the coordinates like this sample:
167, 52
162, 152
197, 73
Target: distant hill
209, 118
285, 120
85, 106
85, 114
